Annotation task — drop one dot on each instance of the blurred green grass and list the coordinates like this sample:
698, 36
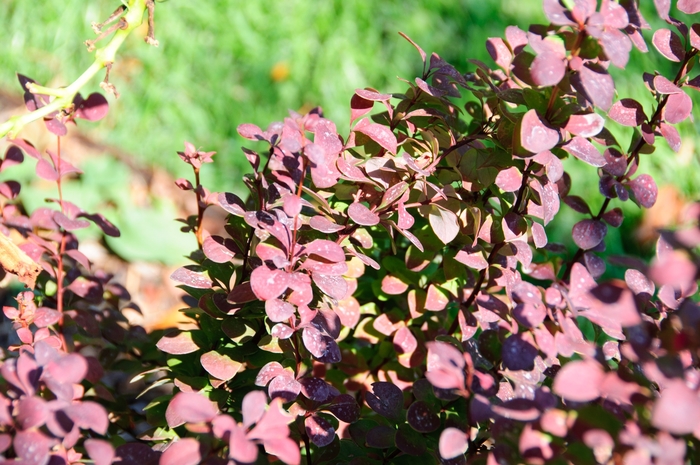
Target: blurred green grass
223, 63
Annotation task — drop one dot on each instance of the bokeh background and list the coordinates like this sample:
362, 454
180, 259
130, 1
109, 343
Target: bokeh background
223, 63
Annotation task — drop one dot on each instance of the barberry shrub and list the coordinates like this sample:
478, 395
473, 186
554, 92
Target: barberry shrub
391, 295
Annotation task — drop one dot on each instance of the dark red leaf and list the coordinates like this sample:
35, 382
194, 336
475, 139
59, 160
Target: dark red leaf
644, 190
379, 133
678, 108
362, 215
189, 407
535, 135
177, 343
136, 453
345, 408
185, 451
386, 399
103, 223
93, 108
577, 204
589, 233
668, 44
319, 430
191, 278
10, 189
614, 217
453, 442
627, 112
315, 389
220, 366
582, 149
421, 418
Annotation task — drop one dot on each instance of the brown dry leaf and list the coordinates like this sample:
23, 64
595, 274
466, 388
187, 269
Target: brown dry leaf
15, 261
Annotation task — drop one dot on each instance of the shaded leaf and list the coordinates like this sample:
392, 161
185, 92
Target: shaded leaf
668, 44
386, 399
644, 190
587, 234
421, 418
319, 430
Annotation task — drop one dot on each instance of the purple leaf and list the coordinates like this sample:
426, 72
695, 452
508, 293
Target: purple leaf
644, 190
678, 108
345, 408
189, 407
627, 112
577, 204
177, 343
379, 133
191, 278
185, 451
582, 149
579, 381
319, 430
535, 135
268, 284
93, 108
10, 189
13, 156
614, 217
453, 442
381, 437
362, 215
386, 399
589, 233
315, 389
105, 225
668, 44
519, 353
558, 15
421, 418
220, 366
100, 451
136, 453
585, 125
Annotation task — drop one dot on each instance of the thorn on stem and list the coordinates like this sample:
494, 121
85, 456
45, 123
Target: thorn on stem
97, 27
121, 24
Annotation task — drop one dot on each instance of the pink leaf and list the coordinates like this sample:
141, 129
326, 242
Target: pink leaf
499, 51
185, 451
331, 285
99, 450
589, 233
220, 366
268, 284
453, 442
509, 180
46, 171
362, 215
668, 44
267, 373
250, 131
189, 407
393, 286
404, 341
285, 387
191, 278
582, 149
321, 223
579, 381
557, 14
32, 447
444, 222
215, 249
585, 125
325, 249
547, 69
278, 310
69, 369
379, 133
677, 410
678, 108
445, 368
598, 85
689, 7
177, 343
321, 346
535, 135
617, 46
88, 414
671, 135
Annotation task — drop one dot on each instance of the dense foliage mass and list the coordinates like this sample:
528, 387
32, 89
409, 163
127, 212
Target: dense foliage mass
389, 295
